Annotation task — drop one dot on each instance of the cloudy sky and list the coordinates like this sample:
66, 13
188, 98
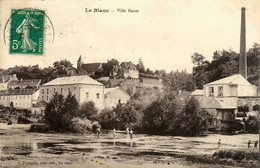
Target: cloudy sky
163, 33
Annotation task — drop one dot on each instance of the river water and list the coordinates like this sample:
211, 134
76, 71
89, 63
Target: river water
19, 148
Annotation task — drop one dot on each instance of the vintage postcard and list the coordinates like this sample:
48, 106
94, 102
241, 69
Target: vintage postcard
114, 84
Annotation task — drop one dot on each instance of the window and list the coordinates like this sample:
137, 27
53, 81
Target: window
42, 97
3, 97
87, 96
54, 90
119, 101
211, 91
75, 89
60, 90
42, 91
68, 90
220, 91
47, 98
47, 91
97, 95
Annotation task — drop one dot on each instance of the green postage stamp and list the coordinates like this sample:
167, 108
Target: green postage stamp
27, 31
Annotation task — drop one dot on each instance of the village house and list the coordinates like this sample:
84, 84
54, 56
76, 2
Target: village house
115, 96
83, 87
5, 80
223, 97
128, 69
20, 94
19, 98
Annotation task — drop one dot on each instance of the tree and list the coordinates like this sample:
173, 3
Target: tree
193, 119
108, 67
140, 66
53, 112
197, 59
62, 67
160, 116
88, 110
59, 112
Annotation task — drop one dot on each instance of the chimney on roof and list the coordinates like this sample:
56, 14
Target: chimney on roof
242, 57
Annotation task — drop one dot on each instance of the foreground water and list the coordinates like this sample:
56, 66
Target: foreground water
19, 148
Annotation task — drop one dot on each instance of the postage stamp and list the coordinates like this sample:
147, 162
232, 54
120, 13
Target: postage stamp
27, 31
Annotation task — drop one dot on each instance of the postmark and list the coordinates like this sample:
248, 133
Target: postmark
27, 31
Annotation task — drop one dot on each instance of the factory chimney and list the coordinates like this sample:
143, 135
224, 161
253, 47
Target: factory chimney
243, 58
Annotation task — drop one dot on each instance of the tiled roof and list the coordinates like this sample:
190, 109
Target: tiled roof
197, 92
18, 92
234, 79
151, 81
25, 83
219, 103
40, 104
73, 80
91, 67
110, 90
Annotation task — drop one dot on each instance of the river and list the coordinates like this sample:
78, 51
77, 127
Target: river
19, 148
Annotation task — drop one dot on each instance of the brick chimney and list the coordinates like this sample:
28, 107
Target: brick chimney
243, 58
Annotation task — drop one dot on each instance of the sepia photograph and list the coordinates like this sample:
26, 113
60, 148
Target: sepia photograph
129, 84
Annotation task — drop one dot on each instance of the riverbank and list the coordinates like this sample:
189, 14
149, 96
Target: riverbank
20, 148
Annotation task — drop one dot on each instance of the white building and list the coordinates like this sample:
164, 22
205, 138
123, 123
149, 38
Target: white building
223, 97
20, 98
114, 96
83, 87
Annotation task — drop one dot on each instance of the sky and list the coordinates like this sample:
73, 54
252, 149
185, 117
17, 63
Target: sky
164, 34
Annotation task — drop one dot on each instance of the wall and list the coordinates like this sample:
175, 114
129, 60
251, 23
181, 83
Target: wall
112, 99
228, 91
79, 90
131, 73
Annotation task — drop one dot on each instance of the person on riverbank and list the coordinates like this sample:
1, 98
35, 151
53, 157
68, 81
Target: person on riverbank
114, 133
249, 144
131, 133
98, 131
219, 143
256, 143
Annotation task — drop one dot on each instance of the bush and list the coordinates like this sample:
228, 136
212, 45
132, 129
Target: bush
252, 125
41, 128
79, 125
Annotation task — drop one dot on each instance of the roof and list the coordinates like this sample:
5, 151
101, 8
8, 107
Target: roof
91, 67
197, 92
115, 82
25, 83
84, 79
219, 103
18, 92
128, 65
40, 104
151, 81
79, 60
5, 78
105, 79
111, 90
232, 80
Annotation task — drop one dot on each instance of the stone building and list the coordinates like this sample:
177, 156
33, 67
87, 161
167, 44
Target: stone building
83, 87
114, 96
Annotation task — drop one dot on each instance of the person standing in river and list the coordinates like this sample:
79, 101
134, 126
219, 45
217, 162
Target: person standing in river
249, 144
219, 143
114, 133
131, 133
256, 143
